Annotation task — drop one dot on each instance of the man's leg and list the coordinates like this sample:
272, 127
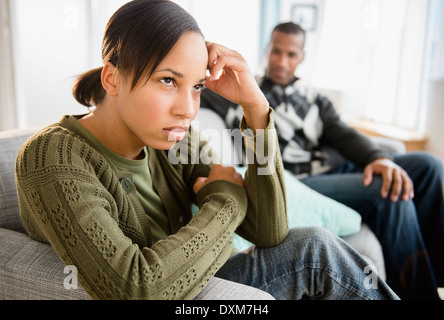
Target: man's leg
395, 225
427, 175
311, 263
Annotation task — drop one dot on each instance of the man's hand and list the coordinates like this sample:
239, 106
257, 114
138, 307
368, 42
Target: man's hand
392, 176
219, 172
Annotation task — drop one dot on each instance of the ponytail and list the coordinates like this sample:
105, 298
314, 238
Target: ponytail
88, 89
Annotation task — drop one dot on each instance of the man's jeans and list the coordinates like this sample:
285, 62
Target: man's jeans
411, 233
311, 263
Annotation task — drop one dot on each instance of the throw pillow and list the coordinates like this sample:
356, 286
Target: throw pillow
307, 207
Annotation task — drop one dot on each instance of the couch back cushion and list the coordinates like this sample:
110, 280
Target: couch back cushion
10, 143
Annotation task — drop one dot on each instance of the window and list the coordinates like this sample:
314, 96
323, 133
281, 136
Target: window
8, 118
371, 55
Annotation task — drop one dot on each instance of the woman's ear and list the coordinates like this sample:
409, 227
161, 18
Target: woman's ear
109, 79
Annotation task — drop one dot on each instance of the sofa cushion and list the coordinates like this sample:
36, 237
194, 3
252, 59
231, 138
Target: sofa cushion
32, 270
10, 143
307, 207
366, 243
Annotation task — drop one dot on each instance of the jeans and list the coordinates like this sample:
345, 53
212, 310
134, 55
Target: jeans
311, 263
411, 232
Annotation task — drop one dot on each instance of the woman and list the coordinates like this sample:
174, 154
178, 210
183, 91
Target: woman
101, 190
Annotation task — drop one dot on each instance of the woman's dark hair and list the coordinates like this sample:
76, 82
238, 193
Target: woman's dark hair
137, 38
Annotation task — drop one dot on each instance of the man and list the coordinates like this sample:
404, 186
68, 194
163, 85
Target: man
400, 197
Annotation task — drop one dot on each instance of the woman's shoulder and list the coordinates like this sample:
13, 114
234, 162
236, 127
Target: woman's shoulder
52, 146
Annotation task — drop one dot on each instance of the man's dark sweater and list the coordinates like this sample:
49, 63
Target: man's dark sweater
312, 137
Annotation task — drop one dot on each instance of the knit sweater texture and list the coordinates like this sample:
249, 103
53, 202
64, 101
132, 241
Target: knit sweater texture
71, 197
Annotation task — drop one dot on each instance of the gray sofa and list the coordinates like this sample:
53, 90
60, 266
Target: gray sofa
32, 270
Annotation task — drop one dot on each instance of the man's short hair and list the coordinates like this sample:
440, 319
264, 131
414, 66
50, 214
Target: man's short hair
289, 28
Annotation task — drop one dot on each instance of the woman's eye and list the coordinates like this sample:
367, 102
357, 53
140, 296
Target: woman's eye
167, 81
199, 87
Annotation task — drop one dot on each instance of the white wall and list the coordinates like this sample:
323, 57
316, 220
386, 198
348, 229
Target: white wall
307, 69
232, 23
55, 40
432, 122
434, 128
8, 118
49, 51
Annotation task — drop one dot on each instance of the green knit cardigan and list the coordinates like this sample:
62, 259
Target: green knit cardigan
70, 196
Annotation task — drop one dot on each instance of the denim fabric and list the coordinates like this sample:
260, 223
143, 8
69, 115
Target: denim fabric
411, 232
311, 263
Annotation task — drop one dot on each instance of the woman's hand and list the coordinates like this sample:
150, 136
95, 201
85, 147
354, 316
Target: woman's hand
231, 78
219, 172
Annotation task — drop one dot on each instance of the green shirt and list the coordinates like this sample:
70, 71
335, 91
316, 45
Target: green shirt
70, 196
139, 176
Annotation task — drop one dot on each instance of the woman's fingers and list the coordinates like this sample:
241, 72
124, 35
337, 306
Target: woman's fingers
220, 57
219, 172
200, 182
230, 77
215, 51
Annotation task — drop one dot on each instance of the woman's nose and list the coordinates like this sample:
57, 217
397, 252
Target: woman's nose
186, 106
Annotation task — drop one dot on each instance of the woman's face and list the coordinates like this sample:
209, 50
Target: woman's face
159, 112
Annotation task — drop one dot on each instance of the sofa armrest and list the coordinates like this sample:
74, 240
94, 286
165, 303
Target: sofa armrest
220, 289
30, 270
391, 145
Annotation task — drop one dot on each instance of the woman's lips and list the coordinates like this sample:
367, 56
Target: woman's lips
176, 133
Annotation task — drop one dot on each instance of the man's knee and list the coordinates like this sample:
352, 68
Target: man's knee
421, 162
432, 163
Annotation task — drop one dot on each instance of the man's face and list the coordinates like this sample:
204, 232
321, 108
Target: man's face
285, 54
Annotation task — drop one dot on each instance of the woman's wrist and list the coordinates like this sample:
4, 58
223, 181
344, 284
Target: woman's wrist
257, 115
